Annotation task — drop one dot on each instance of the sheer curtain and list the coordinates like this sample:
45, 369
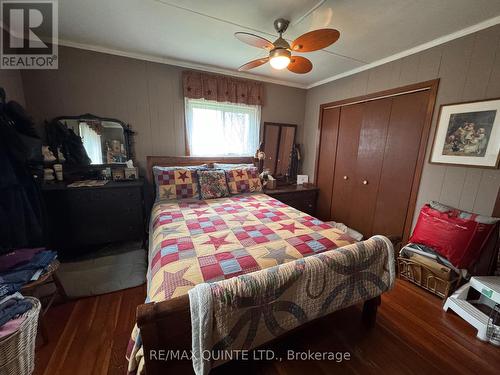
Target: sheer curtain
222, 129
91, 142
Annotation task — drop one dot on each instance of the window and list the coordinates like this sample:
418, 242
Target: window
222, 129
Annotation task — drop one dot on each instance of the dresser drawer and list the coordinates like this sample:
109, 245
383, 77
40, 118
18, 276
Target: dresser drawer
81, 217
302, 200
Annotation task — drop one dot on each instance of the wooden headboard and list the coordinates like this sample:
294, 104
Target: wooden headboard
172, 161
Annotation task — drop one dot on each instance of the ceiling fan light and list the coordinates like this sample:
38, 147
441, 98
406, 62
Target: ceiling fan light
280, 58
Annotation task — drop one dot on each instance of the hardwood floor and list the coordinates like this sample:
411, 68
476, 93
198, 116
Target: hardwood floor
413, 335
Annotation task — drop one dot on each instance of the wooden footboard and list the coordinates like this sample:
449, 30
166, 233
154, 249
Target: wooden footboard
165, 326
166, 330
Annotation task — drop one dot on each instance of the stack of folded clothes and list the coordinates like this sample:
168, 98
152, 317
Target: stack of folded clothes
17, 269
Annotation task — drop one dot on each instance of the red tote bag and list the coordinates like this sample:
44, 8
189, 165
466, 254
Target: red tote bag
458, 240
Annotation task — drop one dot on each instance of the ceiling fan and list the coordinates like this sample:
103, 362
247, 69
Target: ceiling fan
280, 52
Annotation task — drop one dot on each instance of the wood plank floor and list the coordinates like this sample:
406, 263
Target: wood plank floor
413, 335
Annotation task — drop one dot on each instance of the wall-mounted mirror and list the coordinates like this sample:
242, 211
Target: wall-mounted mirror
278, 143
106, 140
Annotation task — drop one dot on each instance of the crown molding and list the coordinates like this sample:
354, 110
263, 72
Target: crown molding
212, 69
422, 47
176, 62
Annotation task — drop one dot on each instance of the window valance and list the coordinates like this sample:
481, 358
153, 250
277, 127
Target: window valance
198, 85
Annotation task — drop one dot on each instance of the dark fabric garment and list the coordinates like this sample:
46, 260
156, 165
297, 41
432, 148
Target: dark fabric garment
59, 136
8, 303
22, 218
40, 260
11, 312
17, 257
7, 289
22, 274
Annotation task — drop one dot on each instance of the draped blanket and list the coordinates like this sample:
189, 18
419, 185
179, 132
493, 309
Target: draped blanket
247, 311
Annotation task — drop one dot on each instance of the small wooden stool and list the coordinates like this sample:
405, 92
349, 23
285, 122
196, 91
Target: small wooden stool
47, 277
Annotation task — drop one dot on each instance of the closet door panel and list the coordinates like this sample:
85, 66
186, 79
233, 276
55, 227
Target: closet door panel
351, 119
326, 161
372, 141
400, 159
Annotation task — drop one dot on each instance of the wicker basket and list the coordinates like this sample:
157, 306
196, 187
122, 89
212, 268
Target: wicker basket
17, 351
426, 278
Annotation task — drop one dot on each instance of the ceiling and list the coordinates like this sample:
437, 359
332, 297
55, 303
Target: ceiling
199, 33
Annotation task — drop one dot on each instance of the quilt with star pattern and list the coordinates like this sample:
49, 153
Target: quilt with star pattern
194, 241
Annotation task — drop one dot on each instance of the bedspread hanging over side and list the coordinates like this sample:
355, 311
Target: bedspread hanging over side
250, 310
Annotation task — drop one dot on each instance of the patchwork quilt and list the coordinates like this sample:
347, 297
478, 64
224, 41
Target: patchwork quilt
195, 241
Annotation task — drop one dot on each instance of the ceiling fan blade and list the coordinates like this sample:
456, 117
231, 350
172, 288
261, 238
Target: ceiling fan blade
253, 64
254, 40
315, 40
299, 65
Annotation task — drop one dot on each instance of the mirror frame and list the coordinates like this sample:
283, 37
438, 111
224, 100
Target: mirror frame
280, 125
127, 134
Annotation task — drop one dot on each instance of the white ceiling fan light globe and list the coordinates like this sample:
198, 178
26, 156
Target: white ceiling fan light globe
279, 58
280, 62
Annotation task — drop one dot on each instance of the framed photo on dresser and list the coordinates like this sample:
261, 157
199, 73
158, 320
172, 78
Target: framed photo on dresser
468, 134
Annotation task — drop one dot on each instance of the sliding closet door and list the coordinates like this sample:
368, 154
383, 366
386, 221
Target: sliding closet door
400, 159
370, 156
351, 119
326, 160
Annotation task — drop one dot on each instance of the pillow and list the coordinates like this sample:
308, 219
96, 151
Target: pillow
176, 182
463, 214
232, 166
243, 180
213, 184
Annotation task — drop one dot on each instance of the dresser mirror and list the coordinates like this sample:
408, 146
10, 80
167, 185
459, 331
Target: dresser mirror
105, 140
279, 140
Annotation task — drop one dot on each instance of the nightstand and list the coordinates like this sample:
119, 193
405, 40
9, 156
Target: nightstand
301, 197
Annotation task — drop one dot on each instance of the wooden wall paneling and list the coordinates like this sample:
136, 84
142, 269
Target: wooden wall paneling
453, 183
487, 192
493, 88
329, 124
409, 70
453, 71
383, 76
465, 66
372, 141
496, 209
405, 131
358, 85
470, 188
429, 63
344, 178
481, 64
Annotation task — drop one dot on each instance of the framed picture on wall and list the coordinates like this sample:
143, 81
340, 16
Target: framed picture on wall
468, 134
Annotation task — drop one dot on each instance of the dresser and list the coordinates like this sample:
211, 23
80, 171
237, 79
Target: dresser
301, 197
82, 219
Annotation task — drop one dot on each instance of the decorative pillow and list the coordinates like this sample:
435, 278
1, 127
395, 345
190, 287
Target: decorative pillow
243, 180
176, 182
232, 166
212, 184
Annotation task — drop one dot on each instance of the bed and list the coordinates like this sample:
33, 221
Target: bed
210, 241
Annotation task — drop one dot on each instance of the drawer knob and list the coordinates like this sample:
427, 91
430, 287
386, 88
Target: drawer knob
346, 177
365, 182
